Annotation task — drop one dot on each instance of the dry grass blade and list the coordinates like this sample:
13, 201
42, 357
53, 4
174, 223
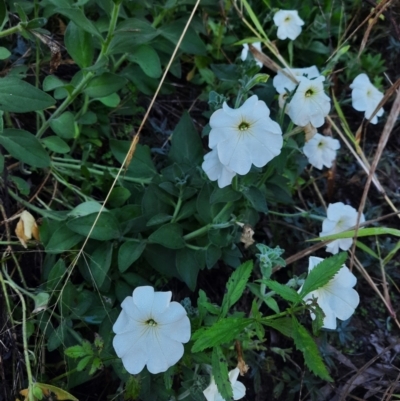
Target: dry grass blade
387, 129
379, 10
131, 150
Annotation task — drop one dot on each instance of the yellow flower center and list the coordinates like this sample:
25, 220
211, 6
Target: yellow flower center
309, 92
243, 126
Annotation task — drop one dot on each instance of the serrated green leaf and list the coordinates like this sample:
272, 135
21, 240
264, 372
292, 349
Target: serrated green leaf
283, 325
79, 351
83, 363
220, 373
287, 293
235, 286
322, 273
307, 346
223, 331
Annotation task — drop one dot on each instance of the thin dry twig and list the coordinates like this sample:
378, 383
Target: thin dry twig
387, 129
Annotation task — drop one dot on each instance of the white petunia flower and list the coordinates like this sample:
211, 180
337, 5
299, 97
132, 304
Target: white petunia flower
289, 24
366, 97
245, 136
245, 52
215, 170
321, 150
283, 84
340, 217
150, 331
239, 390
309, 103
337, 298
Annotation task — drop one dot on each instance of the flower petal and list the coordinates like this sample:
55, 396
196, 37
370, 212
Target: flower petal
161, 302
143, 299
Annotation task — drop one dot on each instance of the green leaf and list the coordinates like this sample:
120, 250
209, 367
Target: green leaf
62, 240
79, 44
222, 332
161, 259
323, 273
159, 218
4, 53
18, 96
283, 325
52, 82
224, 195
85, 208
106, 227
78, 17
148, 60
129, 252
64, 126
235, 286
362, 232
79, 351
188, 264
141, 165
100, 262
287, 293
168, 235
307, 346
112, 100
24, 147
41, 301
220, 373
213, 254
56, 144
186, 144
130, 33
191, 43
83, 363
256, 198
23, 187
104, 85
55, 276
118, 196
1, 163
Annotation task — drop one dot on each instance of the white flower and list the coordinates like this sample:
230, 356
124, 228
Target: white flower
283, 84
239, 390
340, 217
150, 331
366, 97
337, 298
289, 24
245, 52
321, 150
309, 103
245, 136
215, 170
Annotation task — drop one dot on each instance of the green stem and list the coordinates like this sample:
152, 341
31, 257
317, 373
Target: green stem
197, 233
222, 211
111, 29
278, 315
267, 173
28, 205
11, 31
89, 75
141, 181
25, 344
301, 214
177, 207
